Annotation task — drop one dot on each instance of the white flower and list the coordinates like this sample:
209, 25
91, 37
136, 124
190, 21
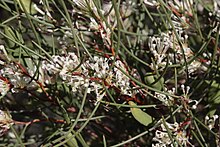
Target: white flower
182, 5
94, 74
5, 122
93, 24
98, 89
100, 67
151, 3
4, 86
78, 83
210, 121
121, 81
70, 63
16, 76
102, 28
61, 65
84, 3
159, 47
166, 100
162, 138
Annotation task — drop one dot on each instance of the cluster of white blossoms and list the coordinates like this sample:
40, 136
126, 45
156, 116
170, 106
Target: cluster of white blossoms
169, 101
4, 86
97, 23
105, 26
167, 43
100, 67
162, 138
5, 122
61, 65
67, 69
94, 74
159, 47
175, 43
15, 77
103, 30
166, 100
121, 80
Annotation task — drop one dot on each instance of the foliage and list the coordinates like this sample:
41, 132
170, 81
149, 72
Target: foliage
109, 73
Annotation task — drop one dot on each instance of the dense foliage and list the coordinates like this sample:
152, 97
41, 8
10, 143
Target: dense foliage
109, 73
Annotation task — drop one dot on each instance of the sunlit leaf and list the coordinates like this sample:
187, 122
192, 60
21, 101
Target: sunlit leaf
150, 79
139, 115
72, 141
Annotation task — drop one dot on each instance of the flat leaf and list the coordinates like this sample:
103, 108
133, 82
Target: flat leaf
140, 115
151, 78
72, 142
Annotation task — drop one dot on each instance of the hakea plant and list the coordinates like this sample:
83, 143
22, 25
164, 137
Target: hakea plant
95, 74
91, 74
174, 44
69, 70
90, 61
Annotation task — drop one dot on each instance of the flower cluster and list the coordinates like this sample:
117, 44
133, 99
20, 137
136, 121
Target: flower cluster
5, 122
16, 76
162, 137
182, 6
166, 100
103, 30
4, 86
159, 47
96, 73
93, 73
61, 65
175, 43
170, 101
121, 80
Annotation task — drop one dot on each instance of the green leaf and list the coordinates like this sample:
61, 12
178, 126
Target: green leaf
151, 80
72, 141
139, 115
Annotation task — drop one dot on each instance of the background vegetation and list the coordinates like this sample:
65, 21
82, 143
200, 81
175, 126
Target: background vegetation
109, 73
